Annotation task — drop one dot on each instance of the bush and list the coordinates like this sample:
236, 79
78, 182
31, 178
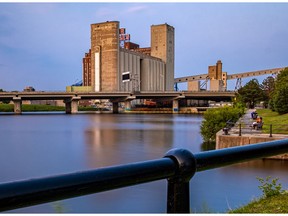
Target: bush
215, 119
270, 188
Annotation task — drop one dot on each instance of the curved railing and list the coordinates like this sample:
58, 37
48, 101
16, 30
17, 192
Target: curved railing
177, 166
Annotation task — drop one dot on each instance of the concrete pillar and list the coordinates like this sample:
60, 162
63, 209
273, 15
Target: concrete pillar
115, 107
175, 106
71, 105
128, 105
17, 105
68, 106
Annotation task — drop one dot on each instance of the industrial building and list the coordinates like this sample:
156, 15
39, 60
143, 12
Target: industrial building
114, 63
216, 77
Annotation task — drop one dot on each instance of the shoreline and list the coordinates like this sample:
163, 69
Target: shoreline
247, 136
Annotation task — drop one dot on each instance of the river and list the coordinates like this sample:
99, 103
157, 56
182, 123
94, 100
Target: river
38, 145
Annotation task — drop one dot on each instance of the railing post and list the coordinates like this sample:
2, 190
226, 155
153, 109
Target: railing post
178, 195
270, 130
240, 132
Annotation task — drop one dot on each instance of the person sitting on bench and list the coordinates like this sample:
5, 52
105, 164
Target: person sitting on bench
258, 124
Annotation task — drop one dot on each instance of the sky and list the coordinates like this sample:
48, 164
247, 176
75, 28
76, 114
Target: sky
42, 44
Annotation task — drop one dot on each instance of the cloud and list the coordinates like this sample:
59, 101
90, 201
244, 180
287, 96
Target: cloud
119, 11
42, 44
105, 12
137, 8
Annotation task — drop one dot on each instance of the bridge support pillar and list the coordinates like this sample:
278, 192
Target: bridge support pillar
175, 106
17, 105
115, 107
72, 105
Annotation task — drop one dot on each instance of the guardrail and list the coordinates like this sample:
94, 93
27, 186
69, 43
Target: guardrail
249, 129
177, 166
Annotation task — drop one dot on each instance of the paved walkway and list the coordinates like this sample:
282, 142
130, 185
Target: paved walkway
246, 125
247, 129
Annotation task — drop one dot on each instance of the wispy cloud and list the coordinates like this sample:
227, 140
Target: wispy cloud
119, 11
136, 8
105, 12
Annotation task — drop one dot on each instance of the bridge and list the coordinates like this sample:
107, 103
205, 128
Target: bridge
218, 79
218, 91
71, 99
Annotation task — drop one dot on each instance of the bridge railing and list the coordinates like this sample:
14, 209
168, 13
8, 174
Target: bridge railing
177, 166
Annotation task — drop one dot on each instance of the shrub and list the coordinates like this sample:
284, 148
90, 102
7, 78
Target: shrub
215, 119
270, 188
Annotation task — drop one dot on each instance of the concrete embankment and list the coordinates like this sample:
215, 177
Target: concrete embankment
246, 136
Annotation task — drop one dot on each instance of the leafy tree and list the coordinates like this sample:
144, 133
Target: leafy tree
268, 86
279, 96
4, 101
281, 99
251, 93
282, 78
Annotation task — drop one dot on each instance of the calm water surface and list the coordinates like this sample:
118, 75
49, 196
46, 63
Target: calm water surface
38, 145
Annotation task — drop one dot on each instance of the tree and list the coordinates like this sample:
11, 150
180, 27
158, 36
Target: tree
251, 93
282, 78
279, 96
268, 86
281, 99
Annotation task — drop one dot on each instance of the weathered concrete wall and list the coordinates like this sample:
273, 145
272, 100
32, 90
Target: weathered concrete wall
105, 56
227, 141
162, 46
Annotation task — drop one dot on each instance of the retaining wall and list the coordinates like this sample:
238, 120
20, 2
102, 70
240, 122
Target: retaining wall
232, 140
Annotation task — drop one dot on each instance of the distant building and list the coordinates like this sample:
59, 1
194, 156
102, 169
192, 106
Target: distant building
86, 67
113, 63
216, 77
28, 89
218, 81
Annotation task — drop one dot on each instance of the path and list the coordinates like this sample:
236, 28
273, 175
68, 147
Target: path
246, 124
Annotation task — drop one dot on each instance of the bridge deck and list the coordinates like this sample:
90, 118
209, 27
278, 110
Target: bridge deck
169, 95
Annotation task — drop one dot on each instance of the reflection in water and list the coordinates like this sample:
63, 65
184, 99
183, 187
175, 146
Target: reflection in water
41, 145
207, 146
127, 139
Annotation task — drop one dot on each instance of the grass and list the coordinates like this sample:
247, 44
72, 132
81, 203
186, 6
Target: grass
41, 108
275, 204
31, 108
279, 122
6, 107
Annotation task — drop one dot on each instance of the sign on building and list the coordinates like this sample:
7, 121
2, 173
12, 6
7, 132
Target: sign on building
126, 76
123, 37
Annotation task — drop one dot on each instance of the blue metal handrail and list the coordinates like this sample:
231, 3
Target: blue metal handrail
178, 166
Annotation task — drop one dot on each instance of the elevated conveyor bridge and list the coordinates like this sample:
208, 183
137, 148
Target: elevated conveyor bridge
237, 76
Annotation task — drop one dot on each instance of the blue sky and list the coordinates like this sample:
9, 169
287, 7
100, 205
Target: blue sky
42, 44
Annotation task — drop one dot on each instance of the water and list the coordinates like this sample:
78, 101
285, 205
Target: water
38, 145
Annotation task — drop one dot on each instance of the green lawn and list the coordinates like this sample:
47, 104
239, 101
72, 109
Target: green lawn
279, 122
31, 108
41, 108
275, 204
